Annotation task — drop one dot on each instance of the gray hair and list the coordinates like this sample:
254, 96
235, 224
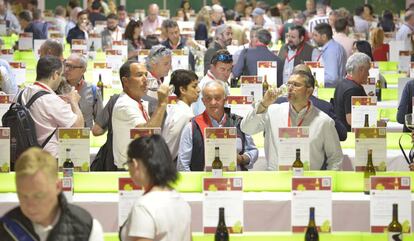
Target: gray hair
156, 52
264, 36
215, 83
83, 61
356, 61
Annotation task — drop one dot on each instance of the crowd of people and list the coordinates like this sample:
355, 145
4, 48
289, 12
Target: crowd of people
344, 43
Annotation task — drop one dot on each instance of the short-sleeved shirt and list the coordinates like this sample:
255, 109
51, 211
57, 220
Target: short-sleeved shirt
90, 103
48, 112
125, 116
159, 216
343, 98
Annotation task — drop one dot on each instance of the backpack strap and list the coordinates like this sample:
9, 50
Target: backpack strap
34, 97
30, 102
16, 230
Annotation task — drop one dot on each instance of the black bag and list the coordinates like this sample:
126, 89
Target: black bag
104, 159
22, 127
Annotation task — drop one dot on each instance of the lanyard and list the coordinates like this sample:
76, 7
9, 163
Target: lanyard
41, 86
209, 123
301, 120
144, 113
210, 75
298, 51
320, 55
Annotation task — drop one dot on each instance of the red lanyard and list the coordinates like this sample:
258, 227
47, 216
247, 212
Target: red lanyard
41, 86
298, 51
209, 123
210, 75
301, 120
144, 113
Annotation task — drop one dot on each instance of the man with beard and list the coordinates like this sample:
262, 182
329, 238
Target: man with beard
247, 62
332, 56
223, 37
324, 148
112, 32
296, 51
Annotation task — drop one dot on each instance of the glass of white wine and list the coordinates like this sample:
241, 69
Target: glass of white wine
283, 90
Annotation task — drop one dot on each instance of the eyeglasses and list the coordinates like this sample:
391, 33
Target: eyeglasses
294, 85
69, 66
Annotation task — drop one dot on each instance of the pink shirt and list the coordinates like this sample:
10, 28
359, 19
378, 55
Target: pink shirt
345, 41
149, 28
48, 112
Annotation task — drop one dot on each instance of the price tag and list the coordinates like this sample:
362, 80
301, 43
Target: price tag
251, 84
226, 139
227, 193
19, 71
4, 149
385, 191
77, 141
290, 139
25, 41
312, 192
136, 133
371, 138
240, 105
268, 69
128, 193
362, 105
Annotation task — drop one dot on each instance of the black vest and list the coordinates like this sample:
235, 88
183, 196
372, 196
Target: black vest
74, 224
305, 55
197, 162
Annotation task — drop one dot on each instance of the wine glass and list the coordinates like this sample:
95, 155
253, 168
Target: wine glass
283, 90
409, 121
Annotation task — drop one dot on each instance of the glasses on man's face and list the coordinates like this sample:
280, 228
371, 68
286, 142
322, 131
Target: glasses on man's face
224, 58
70, 67
294, 85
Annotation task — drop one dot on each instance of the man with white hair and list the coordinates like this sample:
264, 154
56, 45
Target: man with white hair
153, 20
11, 20
158, 64
222, 38
357, 69
217, 14
191, 149
90, 102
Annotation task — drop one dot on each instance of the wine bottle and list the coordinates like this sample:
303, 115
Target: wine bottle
68, 169
366, 120
68, 162
297, 167
378, 90
265, 85
395, 228
252, 94
100, 85
217, 165
222, 234
92, 47
311, 231
368, 172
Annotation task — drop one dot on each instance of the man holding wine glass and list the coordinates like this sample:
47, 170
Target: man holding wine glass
324, 146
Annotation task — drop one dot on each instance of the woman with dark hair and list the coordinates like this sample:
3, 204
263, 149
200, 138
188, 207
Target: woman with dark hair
133, 36
387, 22
155, 214
363, 47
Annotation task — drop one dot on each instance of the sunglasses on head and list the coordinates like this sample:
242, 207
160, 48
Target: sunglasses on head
224, 58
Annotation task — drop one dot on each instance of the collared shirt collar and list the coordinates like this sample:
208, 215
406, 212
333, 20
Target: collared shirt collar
216, 123
325, 46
